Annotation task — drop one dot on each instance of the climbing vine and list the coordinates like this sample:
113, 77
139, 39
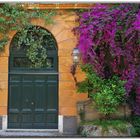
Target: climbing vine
16, 17
109, 40
34, 42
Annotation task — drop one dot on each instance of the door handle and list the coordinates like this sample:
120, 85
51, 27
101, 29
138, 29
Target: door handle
32, 103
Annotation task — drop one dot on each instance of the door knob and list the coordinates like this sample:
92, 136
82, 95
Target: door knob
32, 103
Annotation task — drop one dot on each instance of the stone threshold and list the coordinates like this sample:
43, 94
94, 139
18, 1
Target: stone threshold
31, 130
32, 134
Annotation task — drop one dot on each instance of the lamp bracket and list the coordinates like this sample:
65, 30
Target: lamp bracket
73, 70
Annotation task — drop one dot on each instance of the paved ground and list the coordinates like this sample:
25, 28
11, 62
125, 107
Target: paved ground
34, 134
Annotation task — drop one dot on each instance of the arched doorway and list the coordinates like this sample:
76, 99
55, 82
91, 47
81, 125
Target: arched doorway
33, 91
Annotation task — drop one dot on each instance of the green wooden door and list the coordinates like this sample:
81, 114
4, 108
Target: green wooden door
33, 92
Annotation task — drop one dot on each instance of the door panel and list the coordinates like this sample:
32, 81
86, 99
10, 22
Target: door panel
40, 101
51, 97
33, 101
26, 98
14, 90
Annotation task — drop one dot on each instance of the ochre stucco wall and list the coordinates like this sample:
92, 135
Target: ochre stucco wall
62, 30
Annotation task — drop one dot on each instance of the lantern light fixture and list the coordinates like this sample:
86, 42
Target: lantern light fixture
76, 59
76, 55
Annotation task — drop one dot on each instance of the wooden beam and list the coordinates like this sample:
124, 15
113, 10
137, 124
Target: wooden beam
59, 6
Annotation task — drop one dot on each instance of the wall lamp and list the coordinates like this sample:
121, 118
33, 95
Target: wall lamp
76, 59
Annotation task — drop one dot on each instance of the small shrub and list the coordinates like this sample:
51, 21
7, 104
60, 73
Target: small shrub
107, 94
136, 124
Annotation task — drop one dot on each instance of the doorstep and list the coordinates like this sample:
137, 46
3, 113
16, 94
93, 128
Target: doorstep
15, 134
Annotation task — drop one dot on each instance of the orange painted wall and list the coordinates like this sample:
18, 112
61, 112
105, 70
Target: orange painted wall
62, 30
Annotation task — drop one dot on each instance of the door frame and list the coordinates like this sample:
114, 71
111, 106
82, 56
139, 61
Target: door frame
59, 117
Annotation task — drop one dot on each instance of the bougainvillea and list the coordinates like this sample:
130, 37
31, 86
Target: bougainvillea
109, 39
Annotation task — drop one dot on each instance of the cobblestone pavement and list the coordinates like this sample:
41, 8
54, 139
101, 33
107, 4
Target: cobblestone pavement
34, 134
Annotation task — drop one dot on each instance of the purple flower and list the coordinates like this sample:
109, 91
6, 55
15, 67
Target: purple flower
110, 37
